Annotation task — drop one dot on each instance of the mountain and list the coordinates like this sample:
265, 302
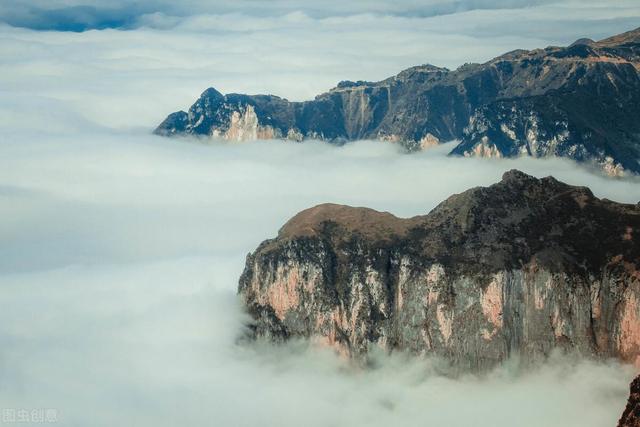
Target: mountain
580, 102
631, 415
523, 267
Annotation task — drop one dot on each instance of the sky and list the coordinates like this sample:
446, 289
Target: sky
174, 50
120, 250
82, 15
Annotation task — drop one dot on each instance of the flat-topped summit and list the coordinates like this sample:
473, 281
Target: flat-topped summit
364, 221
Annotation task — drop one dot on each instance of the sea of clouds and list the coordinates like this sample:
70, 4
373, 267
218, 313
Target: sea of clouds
120, 251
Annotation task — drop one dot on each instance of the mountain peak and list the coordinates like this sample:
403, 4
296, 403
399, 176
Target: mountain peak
211, 93
583, 41
514, 175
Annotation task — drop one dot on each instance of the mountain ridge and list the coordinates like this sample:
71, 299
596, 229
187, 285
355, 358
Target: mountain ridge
580, 102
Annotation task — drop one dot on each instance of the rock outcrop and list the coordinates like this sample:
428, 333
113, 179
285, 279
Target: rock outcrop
580, 102
523, 267
631, 415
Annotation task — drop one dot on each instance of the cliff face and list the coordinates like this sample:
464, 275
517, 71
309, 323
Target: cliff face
631, 415
522, 267
580, 102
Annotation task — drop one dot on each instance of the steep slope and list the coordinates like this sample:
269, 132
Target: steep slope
581, 102
522, 267
631, 415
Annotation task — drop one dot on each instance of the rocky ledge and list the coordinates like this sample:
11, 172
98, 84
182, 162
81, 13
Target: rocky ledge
580, 102
523, 267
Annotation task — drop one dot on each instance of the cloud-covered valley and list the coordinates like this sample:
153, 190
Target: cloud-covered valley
120, 259
120, 251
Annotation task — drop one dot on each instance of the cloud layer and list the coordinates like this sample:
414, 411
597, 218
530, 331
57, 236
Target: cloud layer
82, 15
164, 65
118, 271
121, 250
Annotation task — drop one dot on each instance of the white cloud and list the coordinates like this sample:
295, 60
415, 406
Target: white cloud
147, 73
79, 15
120, 259
121, 250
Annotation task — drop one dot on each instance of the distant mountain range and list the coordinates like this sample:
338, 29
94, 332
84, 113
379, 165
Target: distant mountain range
581, 102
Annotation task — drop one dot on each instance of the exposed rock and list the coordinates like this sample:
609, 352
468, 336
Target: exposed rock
580, 102
631, 415
523, 267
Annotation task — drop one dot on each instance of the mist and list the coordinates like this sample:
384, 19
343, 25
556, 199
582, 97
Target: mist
120, 250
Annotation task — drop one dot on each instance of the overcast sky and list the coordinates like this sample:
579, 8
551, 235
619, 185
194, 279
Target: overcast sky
79, 15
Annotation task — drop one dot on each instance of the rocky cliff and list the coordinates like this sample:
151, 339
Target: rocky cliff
631, 415
522, 267
581, 102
